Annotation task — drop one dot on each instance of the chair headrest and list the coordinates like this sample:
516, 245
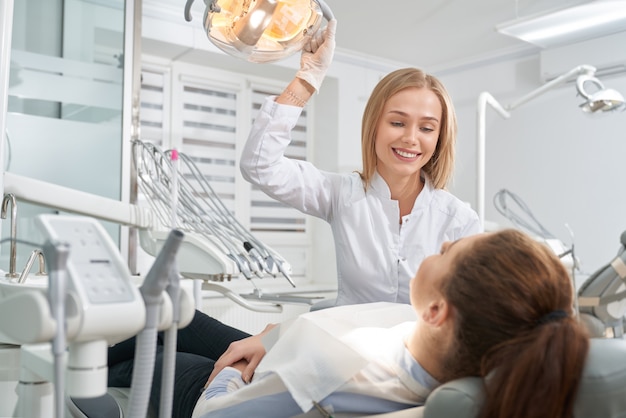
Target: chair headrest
602, 391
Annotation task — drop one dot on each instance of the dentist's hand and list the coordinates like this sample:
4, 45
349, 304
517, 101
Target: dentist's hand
317, 56
248, 351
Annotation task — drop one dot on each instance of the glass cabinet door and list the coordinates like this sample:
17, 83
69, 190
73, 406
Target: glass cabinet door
64, 118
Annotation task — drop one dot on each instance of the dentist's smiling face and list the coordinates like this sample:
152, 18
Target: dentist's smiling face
407, 133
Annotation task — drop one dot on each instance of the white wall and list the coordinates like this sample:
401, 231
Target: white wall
565, 165
568, 167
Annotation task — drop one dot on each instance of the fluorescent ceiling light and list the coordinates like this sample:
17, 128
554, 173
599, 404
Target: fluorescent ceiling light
586, 21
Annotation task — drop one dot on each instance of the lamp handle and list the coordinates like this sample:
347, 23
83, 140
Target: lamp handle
580, 84
188, 10
326, 12
209, 3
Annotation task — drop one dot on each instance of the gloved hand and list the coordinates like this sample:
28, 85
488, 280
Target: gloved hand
317, 55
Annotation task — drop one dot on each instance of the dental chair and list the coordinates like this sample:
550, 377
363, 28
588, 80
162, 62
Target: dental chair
602, 391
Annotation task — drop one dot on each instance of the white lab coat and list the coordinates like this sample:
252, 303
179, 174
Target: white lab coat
376, 255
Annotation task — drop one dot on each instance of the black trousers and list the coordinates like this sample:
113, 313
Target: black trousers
199, 345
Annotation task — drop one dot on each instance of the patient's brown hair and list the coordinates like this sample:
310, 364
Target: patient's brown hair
512, 303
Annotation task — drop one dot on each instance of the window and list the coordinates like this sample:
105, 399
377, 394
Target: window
154, 111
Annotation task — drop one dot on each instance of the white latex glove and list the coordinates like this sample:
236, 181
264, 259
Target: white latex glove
317, 55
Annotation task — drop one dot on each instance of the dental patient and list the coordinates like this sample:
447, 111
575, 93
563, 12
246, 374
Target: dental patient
498, 304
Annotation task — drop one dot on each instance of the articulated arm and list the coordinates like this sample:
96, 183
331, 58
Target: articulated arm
603, 294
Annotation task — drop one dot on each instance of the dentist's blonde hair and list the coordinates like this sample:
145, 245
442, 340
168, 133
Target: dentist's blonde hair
441, 165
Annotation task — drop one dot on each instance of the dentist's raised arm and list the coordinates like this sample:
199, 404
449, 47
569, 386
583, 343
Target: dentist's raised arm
316, 57
263, 161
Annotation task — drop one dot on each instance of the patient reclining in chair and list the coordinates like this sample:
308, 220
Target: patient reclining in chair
497, 303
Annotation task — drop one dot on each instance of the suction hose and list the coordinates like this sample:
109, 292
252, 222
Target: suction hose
56, 254
169, 350
152, 288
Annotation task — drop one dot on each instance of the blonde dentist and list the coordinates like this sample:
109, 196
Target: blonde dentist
389, 217
385, 219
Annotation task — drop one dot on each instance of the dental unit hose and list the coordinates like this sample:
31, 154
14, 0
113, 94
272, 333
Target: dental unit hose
151, 290
173, 290
169, 349
56, 255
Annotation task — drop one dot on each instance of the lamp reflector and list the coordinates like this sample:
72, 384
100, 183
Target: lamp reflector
262, 31
602, 100
607, 100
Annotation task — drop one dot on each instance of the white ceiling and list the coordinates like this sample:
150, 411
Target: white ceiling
433, 34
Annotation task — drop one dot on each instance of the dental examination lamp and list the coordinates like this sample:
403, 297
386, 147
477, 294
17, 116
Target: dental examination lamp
602, 100
261, 31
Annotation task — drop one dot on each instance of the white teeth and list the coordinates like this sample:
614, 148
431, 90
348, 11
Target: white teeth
405, 154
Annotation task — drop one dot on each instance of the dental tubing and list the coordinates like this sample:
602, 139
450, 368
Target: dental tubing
173, 290
56, 254
156, 281
144, 367
169, 349
174, 185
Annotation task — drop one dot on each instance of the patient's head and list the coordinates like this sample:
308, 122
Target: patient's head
500, 286
510, 303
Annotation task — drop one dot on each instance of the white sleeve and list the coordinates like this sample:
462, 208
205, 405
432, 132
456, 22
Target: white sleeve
296, 183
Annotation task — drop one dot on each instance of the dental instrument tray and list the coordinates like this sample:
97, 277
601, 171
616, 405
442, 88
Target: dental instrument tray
217, 246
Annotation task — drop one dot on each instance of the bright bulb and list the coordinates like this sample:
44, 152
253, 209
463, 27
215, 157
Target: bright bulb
289, 20
602, 100
249, 27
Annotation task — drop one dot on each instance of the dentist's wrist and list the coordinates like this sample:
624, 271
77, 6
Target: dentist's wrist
297, 93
